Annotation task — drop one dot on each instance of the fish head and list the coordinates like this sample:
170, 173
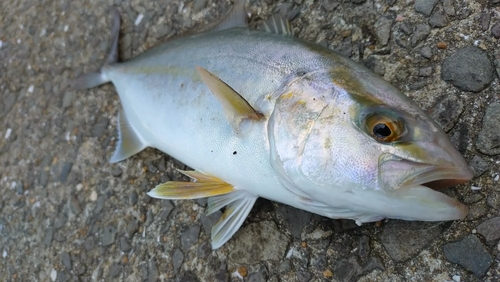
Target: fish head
362, 149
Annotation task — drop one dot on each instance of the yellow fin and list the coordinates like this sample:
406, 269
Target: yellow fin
235, 106
205, 186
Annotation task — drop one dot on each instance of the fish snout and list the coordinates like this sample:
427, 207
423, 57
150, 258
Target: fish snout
451, 167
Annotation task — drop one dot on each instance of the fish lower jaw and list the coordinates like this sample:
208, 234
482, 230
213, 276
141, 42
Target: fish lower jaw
426, 204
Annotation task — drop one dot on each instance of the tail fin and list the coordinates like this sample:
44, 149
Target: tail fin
93, 79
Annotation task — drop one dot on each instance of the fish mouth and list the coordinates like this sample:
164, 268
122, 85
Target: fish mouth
415, 185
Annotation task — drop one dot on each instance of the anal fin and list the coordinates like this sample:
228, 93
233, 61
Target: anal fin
239, 204
129, 143
205, 186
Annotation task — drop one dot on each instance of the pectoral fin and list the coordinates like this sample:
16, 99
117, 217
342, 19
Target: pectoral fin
205, 186
239, 204
235, 106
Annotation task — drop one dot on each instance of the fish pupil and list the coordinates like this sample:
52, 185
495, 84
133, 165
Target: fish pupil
381, 131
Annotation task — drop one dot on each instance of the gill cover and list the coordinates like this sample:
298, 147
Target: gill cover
300, 102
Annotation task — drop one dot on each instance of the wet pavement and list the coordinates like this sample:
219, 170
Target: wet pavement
66, 214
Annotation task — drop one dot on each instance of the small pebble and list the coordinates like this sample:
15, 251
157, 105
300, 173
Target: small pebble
93, 196
478, 166
257, 242
295, 219
329, 5
243, 271
448, 7
469, 253
469, 69
328, 273
116, 172
124, 245
383, 29
427, 71
406, 239
108, 235
426, 52
425, 6
66, 260
190, 236
138, 19
442, 45
438, 19
114, 270
53, 274
490, 229
495, 30
198, 5
7, 133
488, 140
65, 172
177, 259
485, 20
420, 33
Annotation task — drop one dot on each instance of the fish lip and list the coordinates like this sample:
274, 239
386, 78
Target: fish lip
426, 204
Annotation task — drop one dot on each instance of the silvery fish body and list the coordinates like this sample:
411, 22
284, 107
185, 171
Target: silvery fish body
332, 138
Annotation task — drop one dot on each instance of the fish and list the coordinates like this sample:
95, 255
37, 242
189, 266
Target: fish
258, 112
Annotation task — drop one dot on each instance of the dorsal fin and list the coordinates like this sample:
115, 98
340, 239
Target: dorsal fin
277, 24
237, 17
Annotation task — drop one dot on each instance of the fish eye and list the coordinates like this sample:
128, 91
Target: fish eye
384, 128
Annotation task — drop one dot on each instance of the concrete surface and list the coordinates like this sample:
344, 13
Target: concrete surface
66, 214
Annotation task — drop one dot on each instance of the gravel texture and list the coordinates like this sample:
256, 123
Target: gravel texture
66, 214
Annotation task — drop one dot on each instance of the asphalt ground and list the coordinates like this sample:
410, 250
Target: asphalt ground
66, 214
